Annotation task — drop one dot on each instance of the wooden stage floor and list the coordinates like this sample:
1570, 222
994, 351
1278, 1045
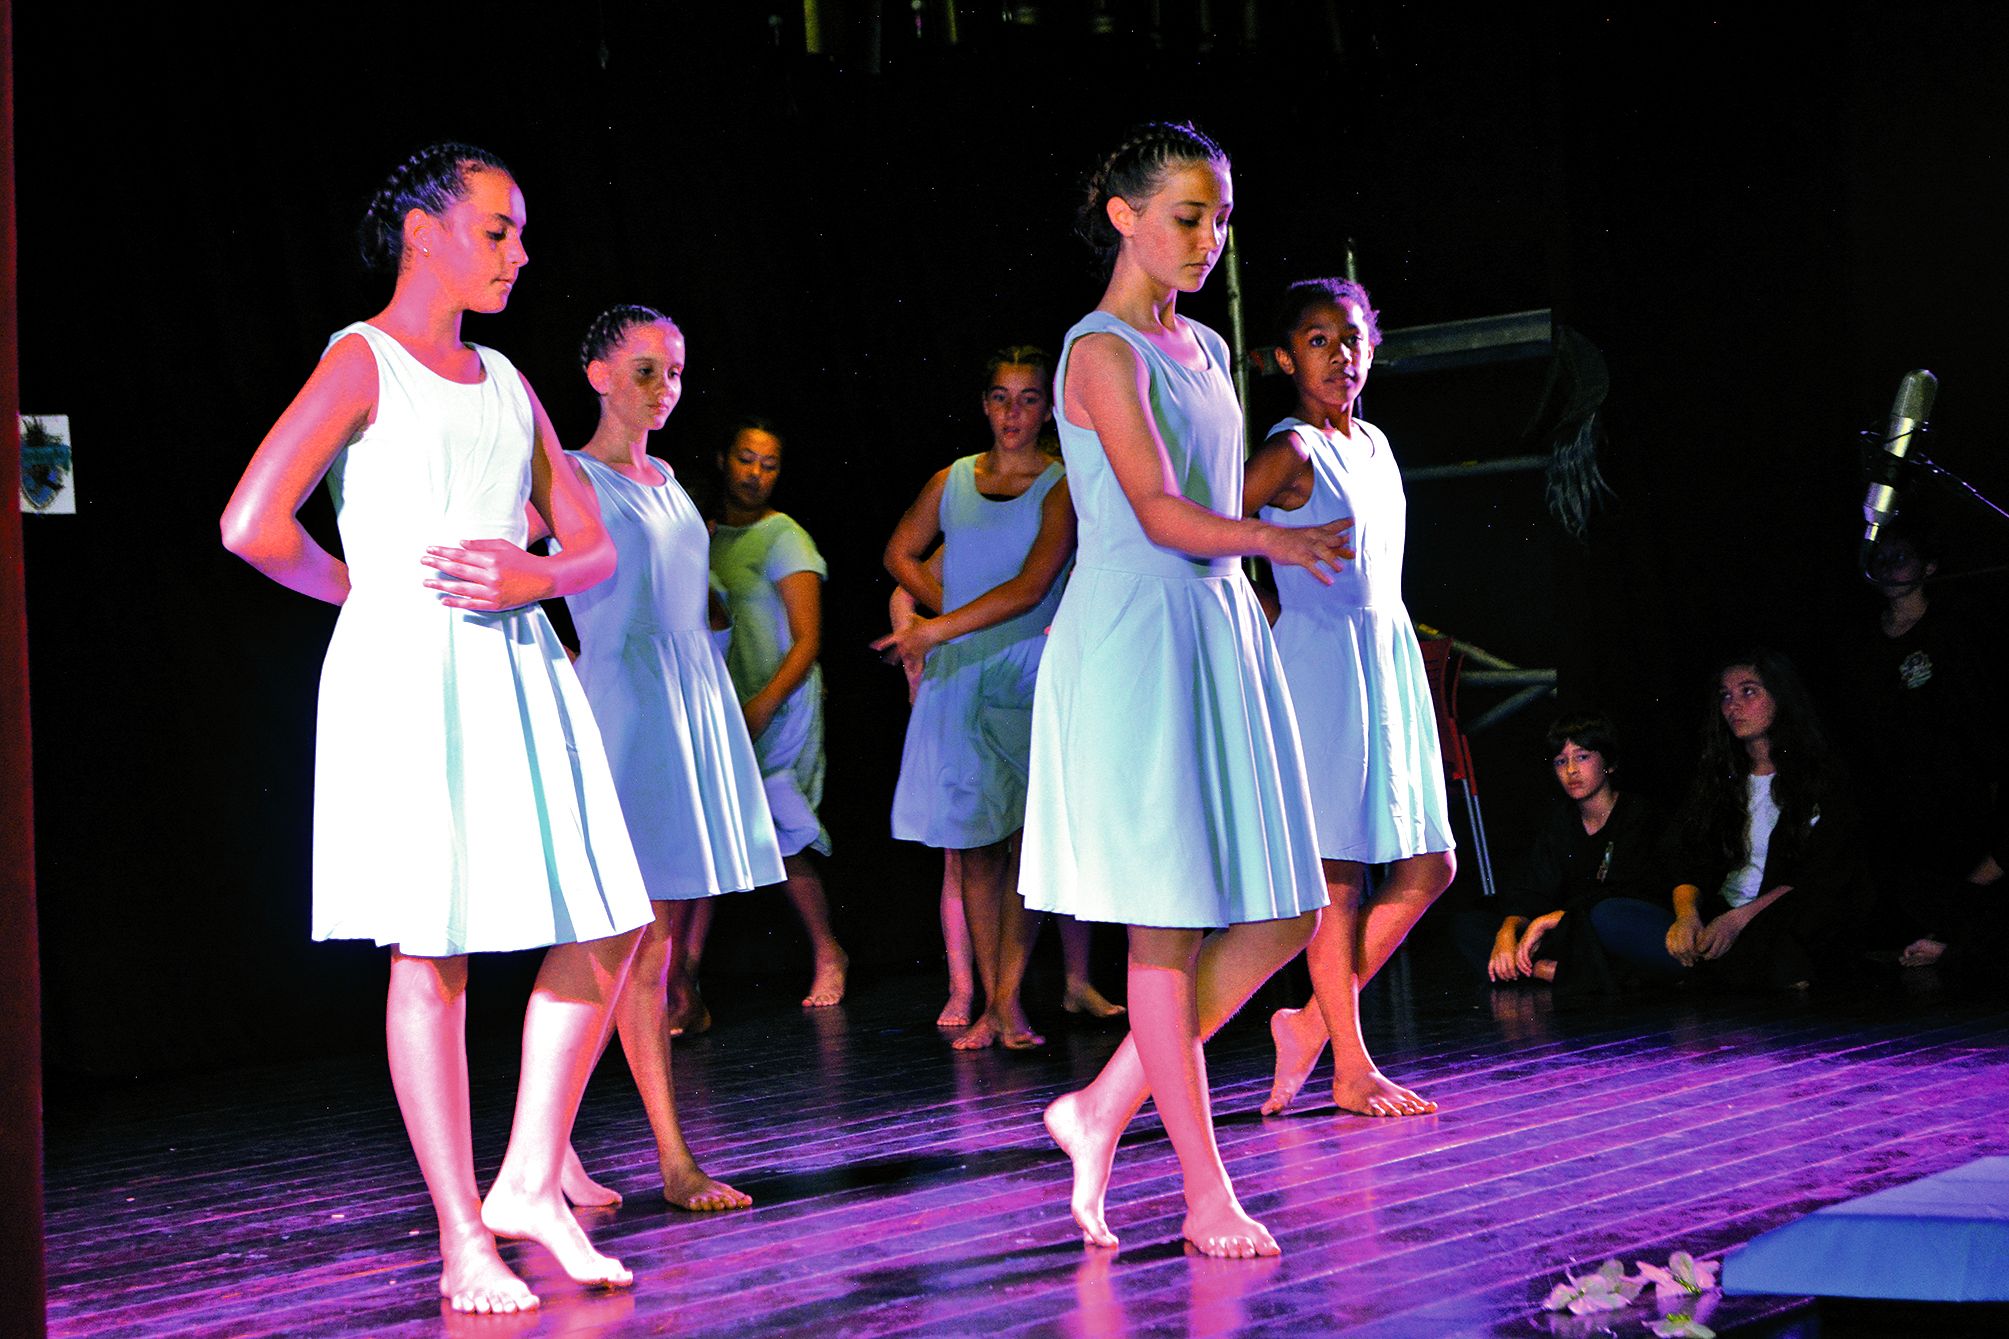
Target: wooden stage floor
905, 1189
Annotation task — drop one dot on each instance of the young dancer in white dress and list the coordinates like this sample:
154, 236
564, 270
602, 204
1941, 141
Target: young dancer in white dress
1007, 531
683, 763
1167, 791
773, 581
462, 799
1363, 702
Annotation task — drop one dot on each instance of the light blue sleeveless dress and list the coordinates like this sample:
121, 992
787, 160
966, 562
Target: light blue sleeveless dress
683, 764
462, 799
962, 774
747, 561
1364, 710
1167, 784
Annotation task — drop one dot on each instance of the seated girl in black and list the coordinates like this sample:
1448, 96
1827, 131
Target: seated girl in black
1767, 877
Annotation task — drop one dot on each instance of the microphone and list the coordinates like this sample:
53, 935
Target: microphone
1907, 416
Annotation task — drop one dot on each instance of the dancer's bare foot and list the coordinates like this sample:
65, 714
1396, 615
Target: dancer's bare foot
688, 1014
827, 986
546, 1221
1014, 1030
1921, 953
1093, 1153
956, 1013
582, 1189
1227, 1233
981, 1033
1375, 1094
1296, 1054
474, 1279
1086, 999
689, 1188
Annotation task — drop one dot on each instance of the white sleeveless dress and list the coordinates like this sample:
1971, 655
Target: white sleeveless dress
1356, 672
683, 764
1167, 787
462, 800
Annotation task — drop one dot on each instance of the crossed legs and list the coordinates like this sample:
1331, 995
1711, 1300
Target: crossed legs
1183, 987
563, 1029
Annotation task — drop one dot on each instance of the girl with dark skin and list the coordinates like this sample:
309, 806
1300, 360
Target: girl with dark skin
1357, 675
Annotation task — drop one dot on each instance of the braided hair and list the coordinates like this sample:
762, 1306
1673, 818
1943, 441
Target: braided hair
610, 327
1135, 171
1305, 294
431, 180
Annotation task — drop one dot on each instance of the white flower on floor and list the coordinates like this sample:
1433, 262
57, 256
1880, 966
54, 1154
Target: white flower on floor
1609, 1289
1685, 1276
1680, 1325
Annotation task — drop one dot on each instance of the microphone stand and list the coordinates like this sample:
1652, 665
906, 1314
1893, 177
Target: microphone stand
1927, 464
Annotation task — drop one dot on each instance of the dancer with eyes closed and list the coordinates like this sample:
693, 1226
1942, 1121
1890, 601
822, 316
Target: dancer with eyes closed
683, 763
1007, 531
1363, 701
1167, 791
462, 798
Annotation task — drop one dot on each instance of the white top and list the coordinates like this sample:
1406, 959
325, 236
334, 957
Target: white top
1762, 815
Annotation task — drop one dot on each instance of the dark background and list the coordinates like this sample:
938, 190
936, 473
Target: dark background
1762, 221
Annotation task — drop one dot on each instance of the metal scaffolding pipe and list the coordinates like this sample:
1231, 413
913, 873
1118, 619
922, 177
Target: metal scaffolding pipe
1476, 469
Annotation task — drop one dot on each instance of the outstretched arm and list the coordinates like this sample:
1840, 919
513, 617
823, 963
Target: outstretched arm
1107, 390
260, 524
802, 601
1051, 548
912, 538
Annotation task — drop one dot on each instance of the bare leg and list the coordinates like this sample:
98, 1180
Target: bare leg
581, 1190
425, 1030
1001, 938
689, 923
563, 1031
1086, 1124
1353, 943
805, 890
645, 1040
956, 943
1082, 997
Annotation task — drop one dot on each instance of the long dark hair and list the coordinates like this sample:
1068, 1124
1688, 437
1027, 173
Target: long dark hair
1715, 820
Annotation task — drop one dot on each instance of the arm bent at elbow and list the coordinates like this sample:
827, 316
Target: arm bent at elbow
260, 524
1107, 390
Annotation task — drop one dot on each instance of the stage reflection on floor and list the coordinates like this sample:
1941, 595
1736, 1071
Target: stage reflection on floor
902, 1188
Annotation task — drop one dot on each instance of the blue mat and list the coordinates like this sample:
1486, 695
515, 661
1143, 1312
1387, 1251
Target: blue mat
1941, 1239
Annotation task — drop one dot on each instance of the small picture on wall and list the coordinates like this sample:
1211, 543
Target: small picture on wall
48, 484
